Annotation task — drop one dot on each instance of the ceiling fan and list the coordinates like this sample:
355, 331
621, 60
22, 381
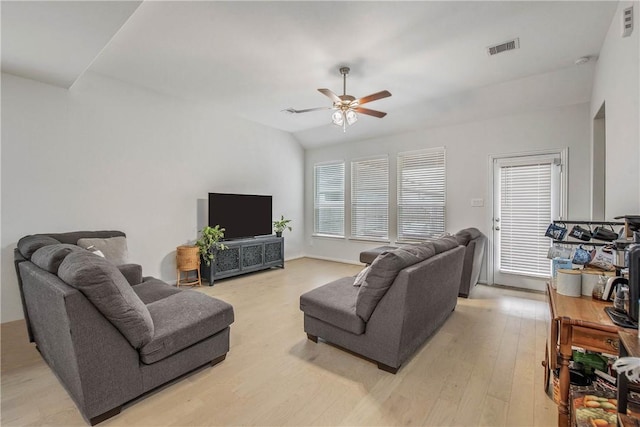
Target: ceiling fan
346, 106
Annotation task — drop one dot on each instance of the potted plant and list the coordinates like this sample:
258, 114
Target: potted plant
209, 241
279, 225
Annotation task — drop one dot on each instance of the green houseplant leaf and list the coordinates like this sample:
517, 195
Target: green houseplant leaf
279, 225
209, 242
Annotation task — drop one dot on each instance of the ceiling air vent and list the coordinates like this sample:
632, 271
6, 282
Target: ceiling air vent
503, 47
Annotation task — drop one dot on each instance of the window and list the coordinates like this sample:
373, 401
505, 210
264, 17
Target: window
370, 198
421, 194
328, 204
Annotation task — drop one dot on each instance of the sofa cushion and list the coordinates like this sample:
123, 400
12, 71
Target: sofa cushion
463, 237
131, 272
29, 244
51, 256
152, 290
383, 272
113, 248
103, 284
182, 320
467, 234
421, 250
334, 303
73, 236
444, 244
369, 255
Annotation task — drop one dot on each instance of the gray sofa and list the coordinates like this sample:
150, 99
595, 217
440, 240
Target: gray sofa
474, 242
111, 338
406, 295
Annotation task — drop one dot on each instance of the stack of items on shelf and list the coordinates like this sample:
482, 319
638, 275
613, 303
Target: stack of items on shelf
590, 373
581, 268
595, 404
590, 410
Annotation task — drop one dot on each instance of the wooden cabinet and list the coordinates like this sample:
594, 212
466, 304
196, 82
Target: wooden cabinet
629, 347
245, 256
580, 322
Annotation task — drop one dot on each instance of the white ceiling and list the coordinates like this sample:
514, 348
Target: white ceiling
257, 58
55, 42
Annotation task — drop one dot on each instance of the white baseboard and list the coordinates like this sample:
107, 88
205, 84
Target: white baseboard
344, 261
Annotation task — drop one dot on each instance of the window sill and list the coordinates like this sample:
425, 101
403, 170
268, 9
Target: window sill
369, 239
530, 275
328, 236
413, 242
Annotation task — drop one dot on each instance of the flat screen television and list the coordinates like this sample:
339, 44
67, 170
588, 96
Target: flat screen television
241, 215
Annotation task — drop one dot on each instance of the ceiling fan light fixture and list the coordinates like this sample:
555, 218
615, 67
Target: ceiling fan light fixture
351, 116
338, 118
347, 107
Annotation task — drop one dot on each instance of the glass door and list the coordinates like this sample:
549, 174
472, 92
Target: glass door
527, 197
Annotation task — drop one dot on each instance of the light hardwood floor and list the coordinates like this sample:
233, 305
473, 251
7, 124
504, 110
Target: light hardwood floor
481, 368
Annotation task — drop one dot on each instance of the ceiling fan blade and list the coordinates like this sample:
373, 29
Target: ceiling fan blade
373, 97
374, 113
306, 110
330, 94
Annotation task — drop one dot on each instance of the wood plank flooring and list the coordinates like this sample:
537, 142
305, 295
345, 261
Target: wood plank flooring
481, 368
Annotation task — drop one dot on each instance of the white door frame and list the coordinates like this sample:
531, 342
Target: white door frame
564, 172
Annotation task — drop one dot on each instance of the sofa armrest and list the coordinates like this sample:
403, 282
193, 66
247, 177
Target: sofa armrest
131, 272
91, 358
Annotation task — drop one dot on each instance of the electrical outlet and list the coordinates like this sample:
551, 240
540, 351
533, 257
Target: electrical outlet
477, 203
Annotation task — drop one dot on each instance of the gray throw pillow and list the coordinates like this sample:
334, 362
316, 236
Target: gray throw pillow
463, 237
421, 250
444, 244
103, 284
113, 248
380, 277
51, 256
29, 244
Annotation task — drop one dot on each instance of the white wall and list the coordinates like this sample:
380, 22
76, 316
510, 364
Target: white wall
468, 147
617, 83
105, 155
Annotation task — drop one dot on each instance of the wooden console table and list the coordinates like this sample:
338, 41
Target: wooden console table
580, 322
245, 256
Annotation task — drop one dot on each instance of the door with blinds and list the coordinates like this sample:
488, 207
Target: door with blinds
527, 197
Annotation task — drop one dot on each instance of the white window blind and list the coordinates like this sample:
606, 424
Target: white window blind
370, 198
525, 212
329, 199
421, 194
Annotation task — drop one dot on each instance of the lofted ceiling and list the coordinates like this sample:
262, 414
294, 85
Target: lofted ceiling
255, 59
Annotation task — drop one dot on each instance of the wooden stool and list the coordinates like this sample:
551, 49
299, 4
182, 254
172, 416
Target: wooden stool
187, 259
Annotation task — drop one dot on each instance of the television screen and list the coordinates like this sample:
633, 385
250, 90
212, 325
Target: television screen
241, 215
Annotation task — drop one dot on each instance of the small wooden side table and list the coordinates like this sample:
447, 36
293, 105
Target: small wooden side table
188, 259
